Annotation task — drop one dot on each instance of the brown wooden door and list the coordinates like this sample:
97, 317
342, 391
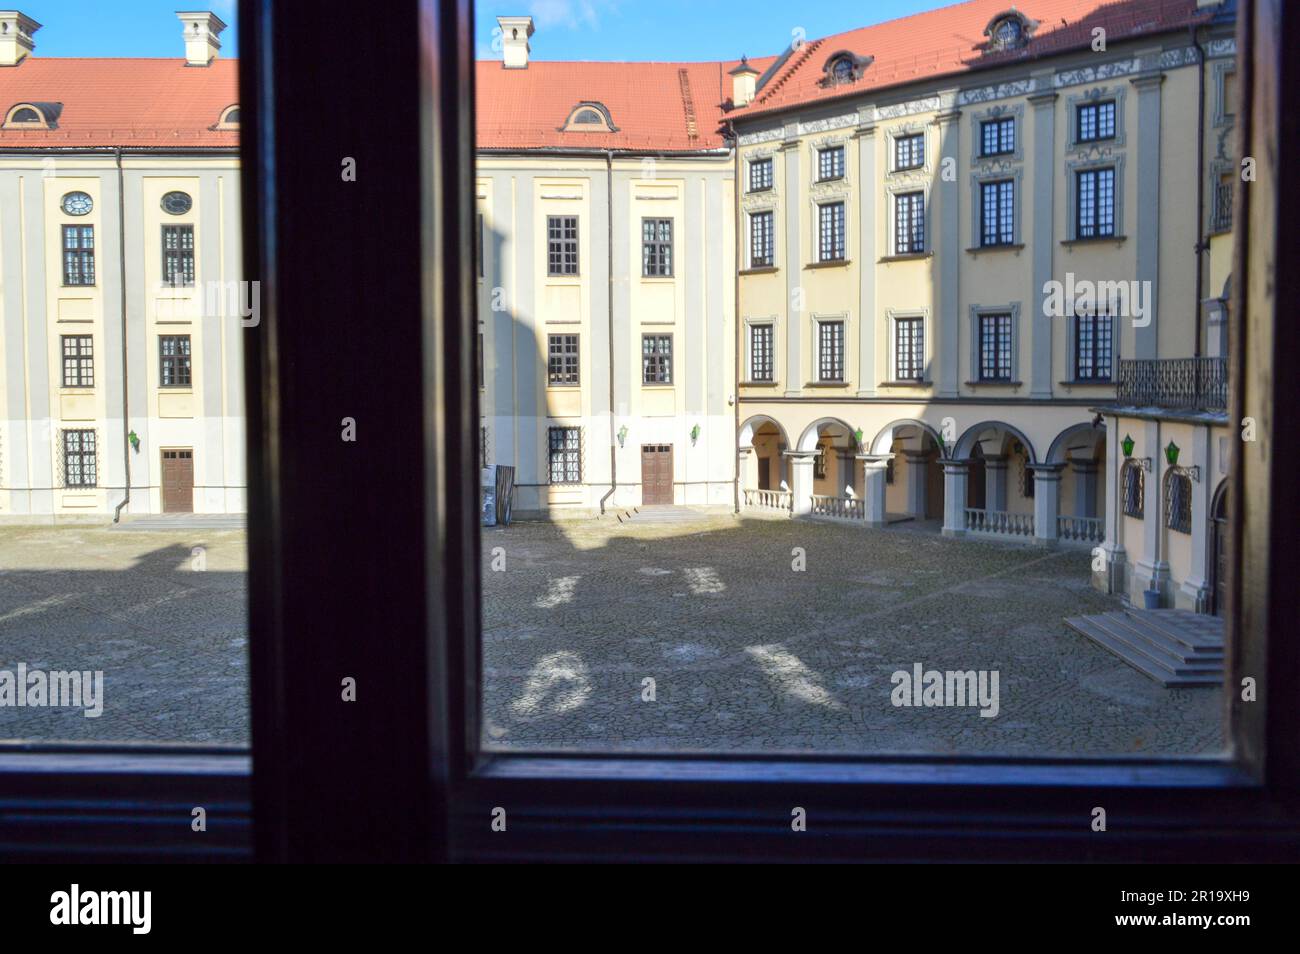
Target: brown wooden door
656, 473
178, 481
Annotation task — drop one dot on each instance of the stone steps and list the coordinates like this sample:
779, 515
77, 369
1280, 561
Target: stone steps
1175, 648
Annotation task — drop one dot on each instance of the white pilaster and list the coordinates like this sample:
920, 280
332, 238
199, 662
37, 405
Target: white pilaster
874, 467
801, 480
955, 474
1047, 490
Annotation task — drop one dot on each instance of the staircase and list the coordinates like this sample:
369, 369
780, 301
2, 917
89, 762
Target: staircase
1176, 648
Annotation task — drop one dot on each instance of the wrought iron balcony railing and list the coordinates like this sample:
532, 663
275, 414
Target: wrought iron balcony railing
1198, 384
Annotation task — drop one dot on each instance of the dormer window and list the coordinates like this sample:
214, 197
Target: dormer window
32, 116
844, 67
589, 117
229, 118
1008, 31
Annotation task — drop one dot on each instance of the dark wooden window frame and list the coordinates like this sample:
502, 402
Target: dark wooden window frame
761, 174
762, 341
178, 260
1095, 122
563, 251
563, 361
1132, 488
995, 140
909, 151
762, 225
909, 348
656, 364
830, 362
79, 256
656, 247
418, 788
79, 363
997, 213
80, 445
1094, 202
830, 163
564, 454
909, 222
181, 364
996, 348
1094, 346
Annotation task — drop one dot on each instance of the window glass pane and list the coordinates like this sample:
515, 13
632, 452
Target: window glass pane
122, 457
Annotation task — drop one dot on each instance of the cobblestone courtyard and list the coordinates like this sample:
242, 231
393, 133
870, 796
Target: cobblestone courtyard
747, 653
744, 651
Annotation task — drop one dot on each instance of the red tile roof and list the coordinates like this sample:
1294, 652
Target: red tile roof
951, 40
656, 107
133, 103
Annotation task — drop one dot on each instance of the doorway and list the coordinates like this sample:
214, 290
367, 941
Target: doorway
178, 480
656, 474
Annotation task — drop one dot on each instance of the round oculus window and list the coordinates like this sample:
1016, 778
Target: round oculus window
77, 203
177, 203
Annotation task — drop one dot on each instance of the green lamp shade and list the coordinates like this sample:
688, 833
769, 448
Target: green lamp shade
1171, 453
1127, 444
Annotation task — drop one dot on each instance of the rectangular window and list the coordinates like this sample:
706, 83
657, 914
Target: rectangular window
79, 468
1134, 505
562, 245
830, 351
909, 349
479, 236
909, 223
760, 175
760, 352
562, 360
997, 212
995, 347
760, 239
1095, 121
178, 255
1095, 203
174, 361
819, 463
1092, 347
78, 361
565, 455
830, 163
78, 255
830, 232
1178, 501
909, 152
998, 137
656, 359
657, 248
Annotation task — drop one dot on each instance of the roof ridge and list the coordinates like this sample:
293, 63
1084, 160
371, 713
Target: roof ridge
790, 71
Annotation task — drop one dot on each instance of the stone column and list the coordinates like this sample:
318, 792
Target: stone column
801, 479
1085, 487
1194, 591
1111, 580
995, 482
955, 473
1151, 569
1047, 491
874, 467
917, 462
782, 469
746, 471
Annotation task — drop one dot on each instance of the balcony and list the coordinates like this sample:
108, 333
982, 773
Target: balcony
1190, 384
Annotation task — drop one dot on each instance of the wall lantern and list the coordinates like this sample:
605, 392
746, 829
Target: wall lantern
857, 437
622, 435
134, 438
1171, 454
1127, 445
695, 434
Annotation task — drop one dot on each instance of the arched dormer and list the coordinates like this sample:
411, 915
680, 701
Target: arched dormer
589, 117
33, 116
229, 118
844, 67
1009, 30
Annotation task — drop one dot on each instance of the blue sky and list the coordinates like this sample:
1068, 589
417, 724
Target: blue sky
566, 29
118, 27
680, 29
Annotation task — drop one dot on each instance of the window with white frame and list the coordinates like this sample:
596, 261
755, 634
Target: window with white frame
997, 213
909, 223
830, 350
830, 163
760, 239
830, 232
909, 349
760, 352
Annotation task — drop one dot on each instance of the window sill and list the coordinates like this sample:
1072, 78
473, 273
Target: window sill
760, 384
994, 384
1009, 247
763, 191
827, 384
906, 384
657, 385
176, 388
1099, 240
908, 257
1088, 383
831, 263
556, 387
759, 270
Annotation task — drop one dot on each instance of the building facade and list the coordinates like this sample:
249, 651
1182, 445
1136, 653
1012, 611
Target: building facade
120, 317
952, 256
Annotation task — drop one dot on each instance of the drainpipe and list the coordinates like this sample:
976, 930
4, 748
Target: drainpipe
1202, 242
609, 302
735, 270
121, 265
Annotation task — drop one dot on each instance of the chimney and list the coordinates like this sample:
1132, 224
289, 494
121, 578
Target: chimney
743, 78
16, 31
515, 32
201, 30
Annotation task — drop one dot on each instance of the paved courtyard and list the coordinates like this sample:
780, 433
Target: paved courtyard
744, 651
747, 653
